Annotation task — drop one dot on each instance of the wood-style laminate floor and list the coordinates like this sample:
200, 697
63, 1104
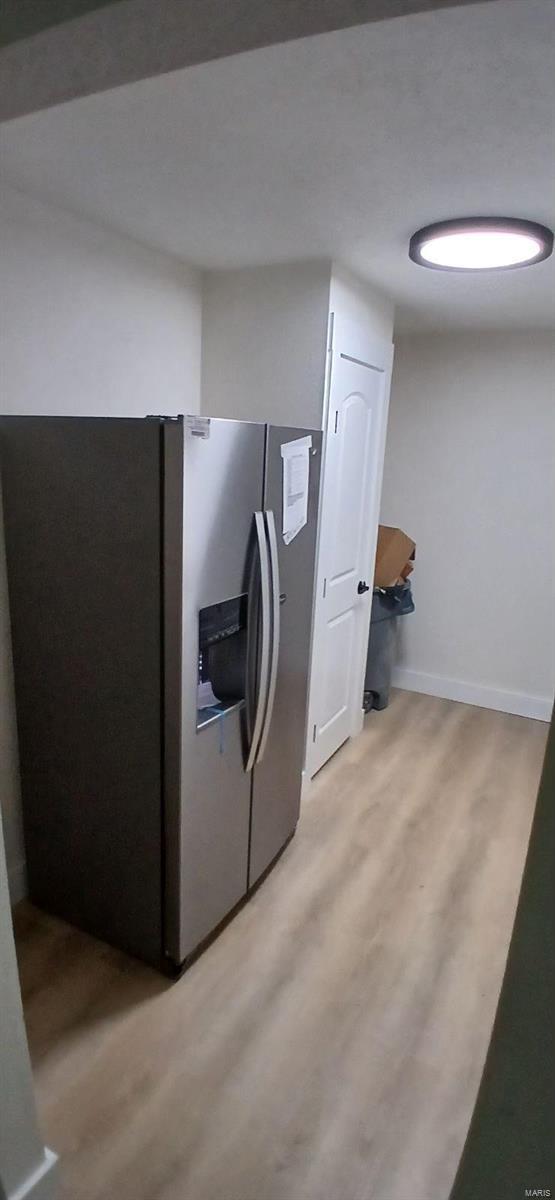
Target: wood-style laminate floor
329, 1044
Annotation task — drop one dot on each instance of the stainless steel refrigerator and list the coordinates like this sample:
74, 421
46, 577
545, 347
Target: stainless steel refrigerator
161, 623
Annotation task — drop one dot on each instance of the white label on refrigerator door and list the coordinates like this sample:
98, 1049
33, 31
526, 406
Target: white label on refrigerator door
296, 472
198, 426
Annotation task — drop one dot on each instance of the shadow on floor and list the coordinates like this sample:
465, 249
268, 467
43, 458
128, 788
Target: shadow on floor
74, 981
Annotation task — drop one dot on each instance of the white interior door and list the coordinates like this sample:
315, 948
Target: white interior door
359, 385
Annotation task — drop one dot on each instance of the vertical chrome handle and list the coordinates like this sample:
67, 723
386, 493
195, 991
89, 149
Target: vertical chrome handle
274, 561
265, 647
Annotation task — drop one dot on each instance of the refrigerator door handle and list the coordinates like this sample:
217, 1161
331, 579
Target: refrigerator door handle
274, 561
262, 698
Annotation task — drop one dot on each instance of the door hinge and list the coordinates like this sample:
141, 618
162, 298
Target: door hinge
336, 419
314, 734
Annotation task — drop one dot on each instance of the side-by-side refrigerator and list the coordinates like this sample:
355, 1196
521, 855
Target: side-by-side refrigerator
160, 576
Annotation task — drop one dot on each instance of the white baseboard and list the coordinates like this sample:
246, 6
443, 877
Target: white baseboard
41, 1184
305, 786
518, 703
17, 881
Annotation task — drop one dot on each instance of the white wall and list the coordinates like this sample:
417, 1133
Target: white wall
26, 1169
470, 475
94, 324
264, 337
361, 305
264, 343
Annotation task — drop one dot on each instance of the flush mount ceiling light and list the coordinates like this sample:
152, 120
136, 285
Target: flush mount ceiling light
480, 244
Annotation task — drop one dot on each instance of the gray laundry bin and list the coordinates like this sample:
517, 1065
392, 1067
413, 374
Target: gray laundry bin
387, 605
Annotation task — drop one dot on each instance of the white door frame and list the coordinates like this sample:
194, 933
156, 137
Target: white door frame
350, 339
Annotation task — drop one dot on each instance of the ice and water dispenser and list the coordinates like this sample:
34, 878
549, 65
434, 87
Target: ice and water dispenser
222, 659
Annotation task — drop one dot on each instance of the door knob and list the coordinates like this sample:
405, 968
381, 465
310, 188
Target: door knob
362, 587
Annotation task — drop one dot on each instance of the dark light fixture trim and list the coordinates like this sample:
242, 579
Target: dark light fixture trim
437, 229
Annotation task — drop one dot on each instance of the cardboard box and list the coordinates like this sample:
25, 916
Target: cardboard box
394, 553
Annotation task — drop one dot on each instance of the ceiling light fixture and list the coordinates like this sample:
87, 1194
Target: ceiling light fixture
480, 244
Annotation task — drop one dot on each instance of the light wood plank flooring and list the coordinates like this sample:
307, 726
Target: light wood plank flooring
329, 1045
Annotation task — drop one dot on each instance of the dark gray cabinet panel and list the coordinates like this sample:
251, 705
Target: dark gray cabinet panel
82, 519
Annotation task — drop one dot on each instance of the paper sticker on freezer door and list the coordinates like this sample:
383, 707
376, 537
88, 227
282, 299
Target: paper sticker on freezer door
296, 479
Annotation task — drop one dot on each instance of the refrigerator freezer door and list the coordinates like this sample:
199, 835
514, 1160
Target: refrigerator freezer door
207, 829
278, 774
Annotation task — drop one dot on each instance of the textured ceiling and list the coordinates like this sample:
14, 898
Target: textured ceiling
109, 43
23, 18
339, 145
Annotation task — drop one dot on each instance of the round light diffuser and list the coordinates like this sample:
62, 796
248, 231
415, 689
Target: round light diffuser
480, 244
